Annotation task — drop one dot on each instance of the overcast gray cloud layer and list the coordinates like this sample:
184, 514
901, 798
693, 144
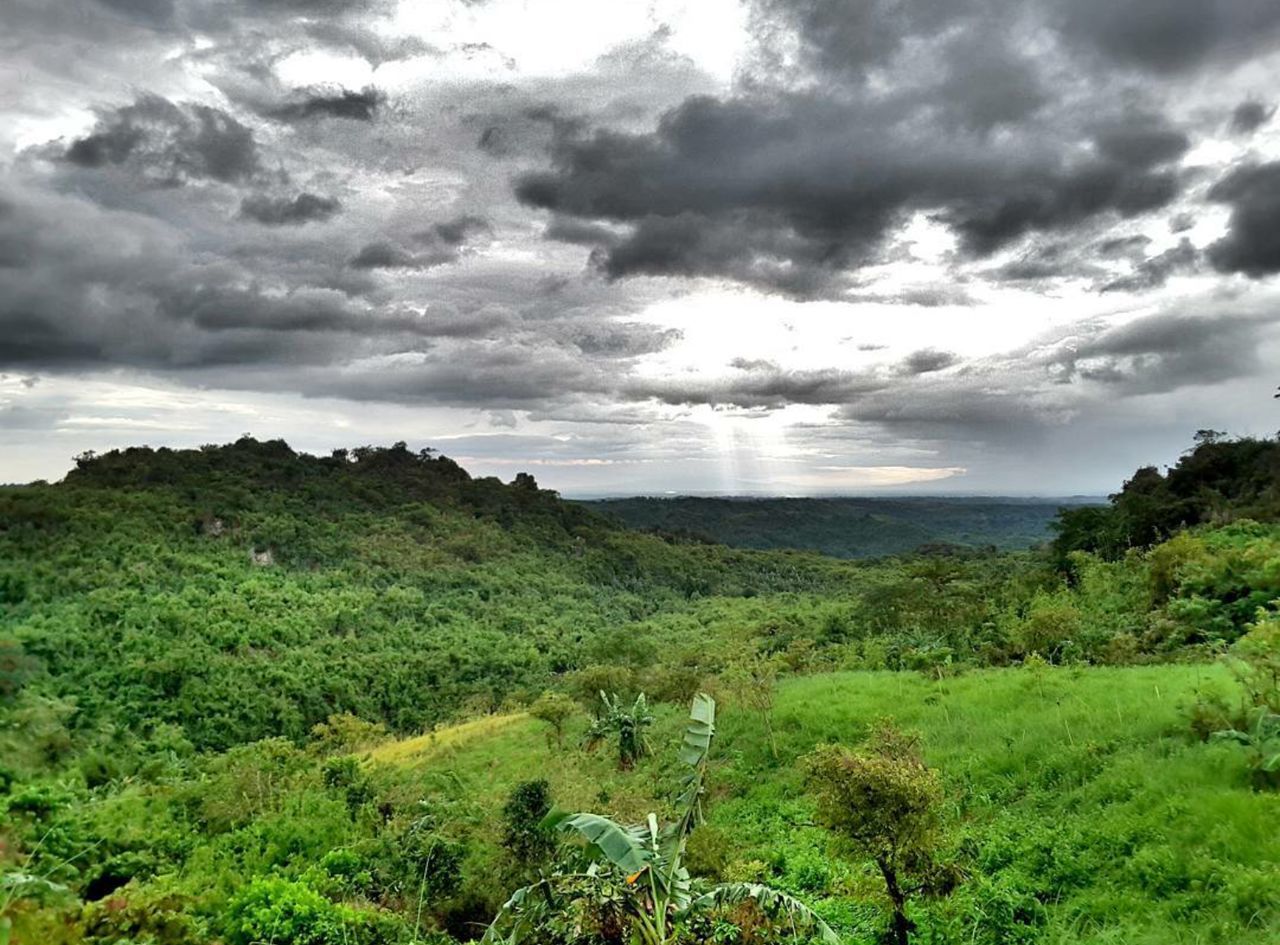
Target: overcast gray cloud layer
321, 199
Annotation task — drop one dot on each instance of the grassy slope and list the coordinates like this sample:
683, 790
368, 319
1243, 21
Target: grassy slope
1084, 811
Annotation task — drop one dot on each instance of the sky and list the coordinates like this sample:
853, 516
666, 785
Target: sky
697, 246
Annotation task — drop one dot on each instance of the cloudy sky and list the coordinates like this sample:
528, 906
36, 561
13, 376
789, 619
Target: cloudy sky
731, 246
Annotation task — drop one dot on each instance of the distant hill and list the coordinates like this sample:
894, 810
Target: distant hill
844, 527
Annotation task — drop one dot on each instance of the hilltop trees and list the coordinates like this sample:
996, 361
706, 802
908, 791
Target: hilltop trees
1218, 480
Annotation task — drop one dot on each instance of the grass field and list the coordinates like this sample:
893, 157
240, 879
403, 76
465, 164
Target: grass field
1081, 808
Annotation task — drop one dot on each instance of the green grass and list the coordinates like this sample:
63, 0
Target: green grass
1082, 811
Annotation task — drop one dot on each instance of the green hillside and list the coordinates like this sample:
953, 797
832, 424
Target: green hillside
251, 696
843, 527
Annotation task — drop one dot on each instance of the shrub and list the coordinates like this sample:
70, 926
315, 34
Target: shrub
345, 774
346, 733
530, 843
142, 916
285, 912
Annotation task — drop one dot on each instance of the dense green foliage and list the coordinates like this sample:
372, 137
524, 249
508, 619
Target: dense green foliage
246, 591
1218, 480
253, 696
841, 527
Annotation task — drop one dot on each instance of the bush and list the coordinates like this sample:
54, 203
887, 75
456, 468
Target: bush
523, 834
345, 775
143, 916
707, 852
292, 913
1050, 629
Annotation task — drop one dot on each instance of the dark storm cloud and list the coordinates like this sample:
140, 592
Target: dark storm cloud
285, 211
1163, 352
988, 85
456, 231
843, 37
169, 143
222, 308
342, 103
926, 361
442, 243
791, 191
760, 384
147, 11
1057, 201
1160, 36
805, 173
1248, 117
1154, 271
384, 255
470, 373
1252, 243
620, 340
97, 287
1167, 36
1142, 141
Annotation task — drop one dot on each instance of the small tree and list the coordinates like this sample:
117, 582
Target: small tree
346, 733
886, 805
1257, 725
753, 686
628, 725
524, 835
1258, 669
554, 708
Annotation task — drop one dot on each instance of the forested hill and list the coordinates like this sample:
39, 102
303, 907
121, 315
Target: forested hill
245, 591
844, 527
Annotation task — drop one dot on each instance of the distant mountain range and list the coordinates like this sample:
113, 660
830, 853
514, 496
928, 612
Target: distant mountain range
846, 527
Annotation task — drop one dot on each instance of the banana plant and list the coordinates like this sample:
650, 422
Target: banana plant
638, 871
1261, 741
628, 725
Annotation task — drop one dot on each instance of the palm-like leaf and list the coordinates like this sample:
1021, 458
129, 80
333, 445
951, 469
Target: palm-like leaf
513, 908
694, 751
772, 902
657, 894
700, 730
627, 848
